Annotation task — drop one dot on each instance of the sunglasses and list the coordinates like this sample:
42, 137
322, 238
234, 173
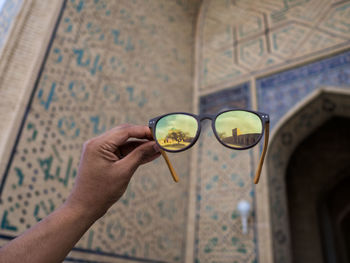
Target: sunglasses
236, 129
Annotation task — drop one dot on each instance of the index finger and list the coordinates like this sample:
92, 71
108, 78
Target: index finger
122, 133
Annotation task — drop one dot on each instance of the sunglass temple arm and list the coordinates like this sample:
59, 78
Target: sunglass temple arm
171, 168
266, 141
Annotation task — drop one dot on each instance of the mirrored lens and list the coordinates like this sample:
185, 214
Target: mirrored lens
238, 129
176, 131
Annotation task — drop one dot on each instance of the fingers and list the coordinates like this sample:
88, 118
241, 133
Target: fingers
129, 146
146, 152
120, 134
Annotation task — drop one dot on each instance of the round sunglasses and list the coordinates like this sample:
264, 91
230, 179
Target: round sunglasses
237, 129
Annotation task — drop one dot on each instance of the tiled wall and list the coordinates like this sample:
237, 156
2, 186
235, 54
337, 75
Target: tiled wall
128, 61
217, 195
283, 51
110, 62
244, 38
278, 93
224, 178
288, 89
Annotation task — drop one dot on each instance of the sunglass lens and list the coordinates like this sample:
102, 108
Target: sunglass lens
238, 129
176, 131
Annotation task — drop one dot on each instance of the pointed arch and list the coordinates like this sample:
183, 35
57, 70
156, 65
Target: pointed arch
295, 126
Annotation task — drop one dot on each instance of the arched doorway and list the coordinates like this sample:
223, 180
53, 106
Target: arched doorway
297, 125
316, 175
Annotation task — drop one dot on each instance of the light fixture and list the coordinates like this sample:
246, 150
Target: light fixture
243, 208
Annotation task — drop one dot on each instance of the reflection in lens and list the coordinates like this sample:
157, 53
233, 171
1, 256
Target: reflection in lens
176, 131
238, 128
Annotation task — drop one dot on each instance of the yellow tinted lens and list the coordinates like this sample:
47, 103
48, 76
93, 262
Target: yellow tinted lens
238, 129
176, 131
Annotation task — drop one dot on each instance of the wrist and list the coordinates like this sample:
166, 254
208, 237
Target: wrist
87, 213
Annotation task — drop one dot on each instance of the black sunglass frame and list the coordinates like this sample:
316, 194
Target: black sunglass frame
264, 118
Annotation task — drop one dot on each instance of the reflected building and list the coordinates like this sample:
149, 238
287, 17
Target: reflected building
242, 140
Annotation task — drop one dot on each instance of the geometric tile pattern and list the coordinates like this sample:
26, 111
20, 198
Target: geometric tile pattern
8, 12
224, 177
276, 94
241, 38
110, 62
272, 34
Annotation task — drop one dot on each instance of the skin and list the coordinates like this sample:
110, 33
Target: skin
107, 164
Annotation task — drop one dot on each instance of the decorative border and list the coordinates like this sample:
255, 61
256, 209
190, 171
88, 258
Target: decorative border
278, 93
29, 103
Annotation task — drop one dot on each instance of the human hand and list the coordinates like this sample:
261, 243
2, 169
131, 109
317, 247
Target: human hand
106, 166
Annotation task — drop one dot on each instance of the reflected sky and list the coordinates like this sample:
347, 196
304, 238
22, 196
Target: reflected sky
246, 122
182, 122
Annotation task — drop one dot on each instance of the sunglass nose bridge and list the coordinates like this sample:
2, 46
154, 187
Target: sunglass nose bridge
203, 117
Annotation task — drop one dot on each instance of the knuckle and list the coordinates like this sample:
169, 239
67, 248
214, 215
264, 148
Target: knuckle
90, 144
124, 125
142, 155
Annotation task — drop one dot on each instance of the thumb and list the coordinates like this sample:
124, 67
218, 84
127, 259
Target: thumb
142, 154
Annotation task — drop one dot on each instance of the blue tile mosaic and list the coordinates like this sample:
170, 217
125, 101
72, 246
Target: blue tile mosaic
235, 97
279, 93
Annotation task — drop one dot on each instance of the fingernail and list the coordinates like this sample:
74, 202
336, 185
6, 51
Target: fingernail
156, 148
